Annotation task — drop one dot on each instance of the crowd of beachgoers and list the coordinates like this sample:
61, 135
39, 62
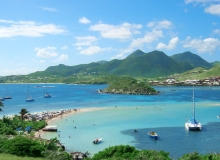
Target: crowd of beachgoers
47, 115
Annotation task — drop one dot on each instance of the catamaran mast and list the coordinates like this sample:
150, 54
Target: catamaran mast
193, 104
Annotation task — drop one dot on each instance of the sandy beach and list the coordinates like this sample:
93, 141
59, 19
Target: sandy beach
70, 112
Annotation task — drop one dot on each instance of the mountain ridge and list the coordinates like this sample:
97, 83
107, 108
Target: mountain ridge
137, 64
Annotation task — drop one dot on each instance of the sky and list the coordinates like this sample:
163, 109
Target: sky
37, 34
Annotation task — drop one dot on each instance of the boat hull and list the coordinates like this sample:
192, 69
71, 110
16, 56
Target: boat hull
47, 96
153, 135
7, 97
29, 100
96, 141
50, 128
193, 127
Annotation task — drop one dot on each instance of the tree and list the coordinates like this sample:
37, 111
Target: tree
22, 113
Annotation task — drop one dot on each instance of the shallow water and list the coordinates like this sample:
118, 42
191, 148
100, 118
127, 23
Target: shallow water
165, 113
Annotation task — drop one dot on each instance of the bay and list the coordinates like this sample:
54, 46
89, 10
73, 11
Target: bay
119, 115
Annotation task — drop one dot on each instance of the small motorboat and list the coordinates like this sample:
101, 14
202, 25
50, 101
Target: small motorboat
50, 128
153, 134
96, 141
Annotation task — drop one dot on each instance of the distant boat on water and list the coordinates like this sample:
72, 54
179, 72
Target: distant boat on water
153, 134
192, 124
50, 128
28, 97
96, 141
46, 94
6, 96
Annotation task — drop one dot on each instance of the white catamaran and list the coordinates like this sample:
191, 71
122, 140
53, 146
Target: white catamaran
192, 124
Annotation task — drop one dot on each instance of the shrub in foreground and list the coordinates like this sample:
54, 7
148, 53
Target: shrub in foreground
126, 152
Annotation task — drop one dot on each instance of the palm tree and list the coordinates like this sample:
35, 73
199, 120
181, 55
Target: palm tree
22, 113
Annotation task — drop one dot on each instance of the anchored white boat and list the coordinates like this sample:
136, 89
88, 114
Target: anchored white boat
153, 134
46, 94
28, 97
50, 128
96, 141
192, 124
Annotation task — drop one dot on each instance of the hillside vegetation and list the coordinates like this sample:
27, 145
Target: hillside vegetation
199, 73
154, 65
128, 85
137, 64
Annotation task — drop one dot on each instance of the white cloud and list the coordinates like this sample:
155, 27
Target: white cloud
148, 38
84, 20
28, 29
213, 9
62, 57
208, 45
200, 1
171, 45
49, 9
216, 31
64, 47
165, 24
123, 31
118, 56
84, 41
122, 53
46, 52
94, 50
18, 71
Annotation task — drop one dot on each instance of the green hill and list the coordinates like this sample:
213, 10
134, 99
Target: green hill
137, 53
200, 73
192, 59
152, 64
215, 63
137, 64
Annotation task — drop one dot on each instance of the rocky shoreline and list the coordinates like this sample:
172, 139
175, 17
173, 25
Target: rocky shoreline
131, 93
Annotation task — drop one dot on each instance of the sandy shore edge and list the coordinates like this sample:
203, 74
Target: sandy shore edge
39, 133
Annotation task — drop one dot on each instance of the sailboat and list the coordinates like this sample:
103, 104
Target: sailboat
7, 97
46, 95
192, 124
28, 97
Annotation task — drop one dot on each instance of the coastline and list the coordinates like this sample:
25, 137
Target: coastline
70, 112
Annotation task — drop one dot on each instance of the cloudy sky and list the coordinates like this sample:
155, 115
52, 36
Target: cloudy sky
37, 34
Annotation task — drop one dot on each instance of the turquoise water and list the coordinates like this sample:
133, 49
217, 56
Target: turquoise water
121, 114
